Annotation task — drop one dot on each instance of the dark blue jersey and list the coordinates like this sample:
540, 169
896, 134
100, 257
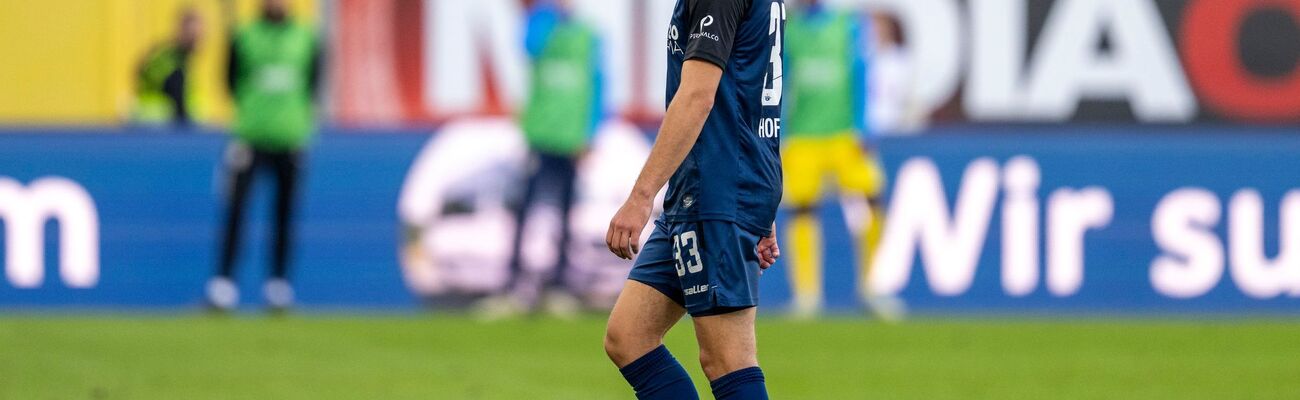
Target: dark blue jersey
733, 173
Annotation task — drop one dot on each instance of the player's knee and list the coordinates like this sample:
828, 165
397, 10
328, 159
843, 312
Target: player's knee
614, 347
623, 345
718, 363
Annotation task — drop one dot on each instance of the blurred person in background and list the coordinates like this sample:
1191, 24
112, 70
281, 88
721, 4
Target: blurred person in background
825, 137
162, 84
892, 109
273, 76
563, 111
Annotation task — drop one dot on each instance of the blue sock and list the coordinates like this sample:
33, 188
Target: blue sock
658, 376
745, 384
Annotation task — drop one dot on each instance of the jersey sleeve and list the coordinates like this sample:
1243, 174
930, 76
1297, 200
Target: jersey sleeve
713, 29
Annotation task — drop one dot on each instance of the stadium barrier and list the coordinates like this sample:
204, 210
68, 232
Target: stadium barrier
1173, 220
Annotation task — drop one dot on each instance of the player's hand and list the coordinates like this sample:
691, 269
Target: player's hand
624, 235
768, 250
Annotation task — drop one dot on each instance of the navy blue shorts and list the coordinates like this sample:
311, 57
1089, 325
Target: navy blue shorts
708, 267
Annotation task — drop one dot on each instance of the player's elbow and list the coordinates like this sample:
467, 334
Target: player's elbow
698, 99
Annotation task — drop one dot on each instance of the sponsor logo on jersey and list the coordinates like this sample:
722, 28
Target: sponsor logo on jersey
704, 23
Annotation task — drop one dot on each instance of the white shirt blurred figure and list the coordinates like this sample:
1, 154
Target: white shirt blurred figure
891, 108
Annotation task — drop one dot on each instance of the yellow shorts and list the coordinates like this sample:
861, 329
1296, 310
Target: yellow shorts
809, 161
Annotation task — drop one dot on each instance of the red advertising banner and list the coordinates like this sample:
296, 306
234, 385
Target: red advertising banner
1049, 61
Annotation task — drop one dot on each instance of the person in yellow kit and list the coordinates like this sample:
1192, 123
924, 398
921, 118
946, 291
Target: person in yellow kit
163, 83
826, 97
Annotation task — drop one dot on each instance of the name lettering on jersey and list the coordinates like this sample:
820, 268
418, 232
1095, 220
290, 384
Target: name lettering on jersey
672, 40
769, 128
697, 289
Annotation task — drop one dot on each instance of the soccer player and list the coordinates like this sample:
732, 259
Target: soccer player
825, 109
274, 71
719, 152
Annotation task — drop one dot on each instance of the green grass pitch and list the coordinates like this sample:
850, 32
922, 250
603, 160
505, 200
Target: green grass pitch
428, 357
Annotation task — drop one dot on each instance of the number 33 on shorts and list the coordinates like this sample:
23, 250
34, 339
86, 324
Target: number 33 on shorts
690, 261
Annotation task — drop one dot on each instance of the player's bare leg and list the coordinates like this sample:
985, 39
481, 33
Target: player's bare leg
729, 354
727, 342
634, 342
638, 323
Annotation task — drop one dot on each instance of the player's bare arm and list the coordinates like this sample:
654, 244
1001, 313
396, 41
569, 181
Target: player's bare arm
681, 127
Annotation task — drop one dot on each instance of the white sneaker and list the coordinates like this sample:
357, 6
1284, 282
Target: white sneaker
562, 305
889, 309
806, 307
223, 295
278, 293
499, 307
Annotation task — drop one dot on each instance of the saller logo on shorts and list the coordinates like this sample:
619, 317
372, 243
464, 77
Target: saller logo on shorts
697, 289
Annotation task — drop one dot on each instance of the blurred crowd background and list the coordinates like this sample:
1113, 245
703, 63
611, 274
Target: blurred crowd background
390, 63
989, 155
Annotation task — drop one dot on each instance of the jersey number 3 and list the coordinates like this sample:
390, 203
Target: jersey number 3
772, 81
689, 242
